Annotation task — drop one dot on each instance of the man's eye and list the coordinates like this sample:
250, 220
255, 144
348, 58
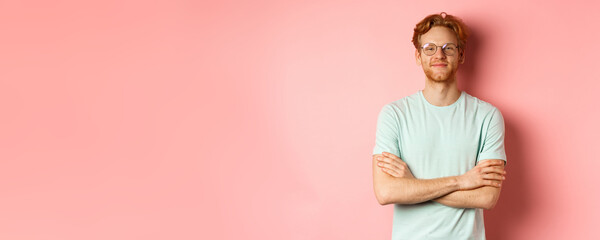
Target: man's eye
429, 48
450, 48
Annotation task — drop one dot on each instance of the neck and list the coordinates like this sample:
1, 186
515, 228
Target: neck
441, 93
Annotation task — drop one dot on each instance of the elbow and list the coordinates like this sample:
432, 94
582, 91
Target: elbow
386, 195
383, 196
488, 206
489, 202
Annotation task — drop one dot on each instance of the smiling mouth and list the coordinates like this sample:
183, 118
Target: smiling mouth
439, 65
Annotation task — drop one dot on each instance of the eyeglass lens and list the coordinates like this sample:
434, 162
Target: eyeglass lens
448, 48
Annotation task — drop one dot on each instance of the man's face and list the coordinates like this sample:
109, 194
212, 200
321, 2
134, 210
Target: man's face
439, 67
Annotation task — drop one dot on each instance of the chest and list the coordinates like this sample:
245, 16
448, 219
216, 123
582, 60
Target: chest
438, 145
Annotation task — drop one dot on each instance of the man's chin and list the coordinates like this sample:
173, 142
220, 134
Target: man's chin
440, 75
439, 78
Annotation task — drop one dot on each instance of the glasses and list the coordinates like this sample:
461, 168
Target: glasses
449, 49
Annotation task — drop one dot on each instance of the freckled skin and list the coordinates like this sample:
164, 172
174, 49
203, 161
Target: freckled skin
439, 36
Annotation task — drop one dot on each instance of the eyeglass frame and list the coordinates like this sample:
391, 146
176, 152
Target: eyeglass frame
436, 48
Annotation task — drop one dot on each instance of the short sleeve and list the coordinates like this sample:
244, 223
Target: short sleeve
386, 136
493, 144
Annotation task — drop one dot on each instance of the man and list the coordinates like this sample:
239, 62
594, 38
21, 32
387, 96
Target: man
439, 153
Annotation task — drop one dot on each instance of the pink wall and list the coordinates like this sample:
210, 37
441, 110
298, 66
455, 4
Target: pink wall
256, 120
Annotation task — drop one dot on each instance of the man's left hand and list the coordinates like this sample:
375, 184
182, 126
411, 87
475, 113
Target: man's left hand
393, 166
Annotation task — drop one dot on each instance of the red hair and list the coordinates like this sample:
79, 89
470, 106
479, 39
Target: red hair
445, 20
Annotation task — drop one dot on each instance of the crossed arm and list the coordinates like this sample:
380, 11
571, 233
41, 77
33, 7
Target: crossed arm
478, 188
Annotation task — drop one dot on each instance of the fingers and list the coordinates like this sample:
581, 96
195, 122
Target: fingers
493, 173
494, 166
493, 183
387, 167
392, 156
390, 165
493, 176
492, 162
395, 162
390, 172
390, 160
493, 170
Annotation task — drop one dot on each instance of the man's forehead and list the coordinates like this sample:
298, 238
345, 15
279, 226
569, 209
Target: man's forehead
439, 35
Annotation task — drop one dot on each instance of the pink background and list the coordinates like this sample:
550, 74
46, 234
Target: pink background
256, 119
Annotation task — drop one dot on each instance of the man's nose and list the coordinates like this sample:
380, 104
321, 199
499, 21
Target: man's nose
439, 53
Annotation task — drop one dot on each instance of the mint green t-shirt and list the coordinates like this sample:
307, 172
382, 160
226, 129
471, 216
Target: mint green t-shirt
439, 142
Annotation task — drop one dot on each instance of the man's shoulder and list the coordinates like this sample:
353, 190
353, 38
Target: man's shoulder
479, 104
402, 103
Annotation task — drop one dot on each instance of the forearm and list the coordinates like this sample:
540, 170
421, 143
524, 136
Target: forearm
412, 190
483, 197
394, 183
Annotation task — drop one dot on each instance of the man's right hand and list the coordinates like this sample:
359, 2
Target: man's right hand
486, 173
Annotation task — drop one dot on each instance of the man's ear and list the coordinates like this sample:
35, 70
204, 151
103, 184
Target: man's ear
418, 57
462, 57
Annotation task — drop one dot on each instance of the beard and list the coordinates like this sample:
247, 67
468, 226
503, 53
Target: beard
445, 76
